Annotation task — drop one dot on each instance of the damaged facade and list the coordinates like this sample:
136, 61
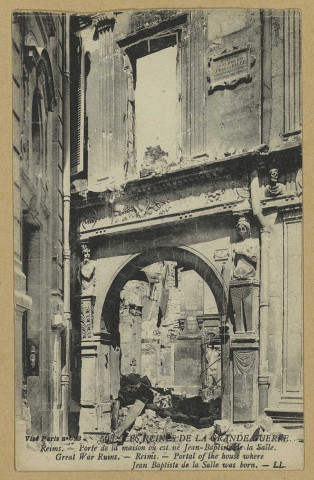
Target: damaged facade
186, 213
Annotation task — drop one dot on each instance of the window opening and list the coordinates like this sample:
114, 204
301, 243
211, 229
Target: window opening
156, 99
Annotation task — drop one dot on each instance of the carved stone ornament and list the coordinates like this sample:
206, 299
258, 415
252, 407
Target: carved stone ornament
142, 209
230, 67
89, 218
86, 273
221, 254
245, 252
87, 312
274, 188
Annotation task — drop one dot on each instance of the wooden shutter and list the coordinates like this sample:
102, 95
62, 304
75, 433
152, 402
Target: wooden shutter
77, 154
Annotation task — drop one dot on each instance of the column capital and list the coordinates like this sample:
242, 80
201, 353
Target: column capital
263, 380
292, 213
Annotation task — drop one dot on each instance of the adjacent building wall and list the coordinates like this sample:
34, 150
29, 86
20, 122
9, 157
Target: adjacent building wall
38, 56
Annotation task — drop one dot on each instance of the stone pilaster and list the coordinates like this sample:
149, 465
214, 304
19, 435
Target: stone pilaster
263, 374
23, 304
95, 415
244, 349
58, 328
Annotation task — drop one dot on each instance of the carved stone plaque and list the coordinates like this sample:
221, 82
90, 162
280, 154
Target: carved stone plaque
221, 254
243, 384
229, 68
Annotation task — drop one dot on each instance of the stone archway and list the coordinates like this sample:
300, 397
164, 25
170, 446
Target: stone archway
185, 256
100, 348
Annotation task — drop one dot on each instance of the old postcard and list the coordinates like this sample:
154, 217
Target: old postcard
158, 240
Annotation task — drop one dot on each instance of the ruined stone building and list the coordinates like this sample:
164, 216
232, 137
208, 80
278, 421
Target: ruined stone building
175, 136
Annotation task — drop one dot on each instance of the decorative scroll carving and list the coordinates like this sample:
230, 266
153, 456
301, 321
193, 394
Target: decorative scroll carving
243, 190
245, 252
274, 188
86, 273
229, 68
219, 189
122, 213
215, 196
89, 219
87, 314
233, 191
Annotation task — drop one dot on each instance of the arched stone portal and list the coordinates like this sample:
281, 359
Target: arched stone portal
184, 256
100, 347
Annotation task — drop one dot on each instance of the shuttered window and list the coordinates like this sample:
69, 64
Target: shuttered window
78, 113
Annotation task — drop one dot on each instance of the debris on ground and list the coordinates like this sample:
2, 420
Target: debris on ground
159, 409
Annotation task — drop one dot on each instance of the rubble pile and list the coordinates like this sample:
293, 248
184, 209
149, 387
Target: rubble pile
221, 432
191, 411
129, 388
150, 423
164, 412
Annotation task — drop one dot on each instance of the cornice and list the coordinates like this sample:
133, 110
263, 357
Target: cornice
260, 158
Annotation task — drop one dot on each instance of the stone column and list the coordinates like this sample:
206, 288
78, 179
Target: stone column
263, 375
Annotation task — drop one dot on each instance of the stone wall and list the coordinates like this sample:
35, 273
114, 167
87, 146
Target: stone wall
38, 64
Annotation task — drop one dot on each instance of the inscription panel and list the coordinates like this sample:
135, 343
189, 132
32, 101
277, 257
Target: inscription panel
187, 359
229, 68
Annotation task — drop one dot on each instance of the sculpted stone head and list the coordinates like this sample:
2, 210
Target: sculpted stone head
273, 175
243, 228
86, 252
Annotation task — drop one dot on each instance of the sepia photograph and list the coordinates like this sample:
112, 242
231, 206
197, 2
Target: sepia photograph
157, 164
